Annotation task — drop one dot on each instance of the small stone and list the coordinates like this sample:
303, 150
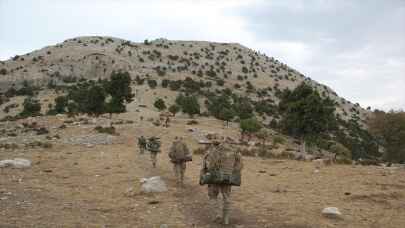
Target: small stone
164, 226
331, 212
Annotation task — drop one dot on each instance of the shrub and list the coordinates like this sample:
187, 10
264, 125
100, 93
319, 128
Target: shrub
165, 83
106, 130
61, 103
278, 140
175, 85
251, 125
174, 109
245, 70
152, 83
160, 104
192, 122
32, 107
341, 151
188, 104
220, 82
247, 152
3, 71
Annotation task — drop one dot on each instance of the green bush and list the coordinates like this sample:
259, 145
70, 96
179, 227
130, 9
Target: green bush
174, 109
106, 130
152, 83
278, 140
188, 104
3, 71
251, 125
32, 107
160, 104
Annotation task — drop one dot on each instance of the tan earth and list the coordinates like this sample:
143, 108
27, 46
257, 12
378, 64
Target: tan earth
80, 186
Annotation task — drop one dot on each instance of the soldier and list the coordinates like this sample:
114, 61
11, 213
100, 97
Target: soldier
142, 144
221, 169
179, 154
153, 145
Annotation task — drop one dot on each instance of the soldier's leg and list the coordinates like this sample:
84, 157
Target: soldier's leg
226, 194
213, 191
153, 158
176, 172
182, 171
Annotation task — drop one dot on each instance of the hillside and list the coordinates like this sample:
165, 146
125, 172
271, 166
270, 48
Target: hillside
221, 65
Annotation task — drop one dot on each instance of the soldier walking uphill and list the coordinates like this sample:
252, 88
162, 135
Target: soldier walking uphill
221, 169
142, 144
179, 154
153, 146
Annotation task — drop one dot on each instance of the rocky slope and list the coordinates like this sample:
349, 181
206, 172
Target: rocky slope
96, 57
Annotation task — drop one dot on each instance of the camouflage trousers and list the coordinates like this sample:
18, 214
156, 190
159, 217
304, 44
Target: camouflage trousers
225, 190
141, 149
153, 158
179, 169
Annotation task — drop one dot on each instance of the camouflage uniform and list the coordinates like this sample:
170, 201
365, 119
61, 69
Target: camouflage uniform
153, 146
142, 144
224, 189
179, 155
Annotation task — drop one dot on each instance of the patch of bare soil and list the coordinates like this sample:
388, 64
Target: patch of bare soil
98, 186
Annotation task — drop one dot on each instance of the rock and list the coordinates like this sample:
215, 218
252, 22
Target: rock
164, 226
153, 184
18, 163
332, 212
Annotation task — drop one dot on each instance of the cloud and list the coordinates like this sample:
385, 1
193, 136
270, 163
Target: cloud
355, 47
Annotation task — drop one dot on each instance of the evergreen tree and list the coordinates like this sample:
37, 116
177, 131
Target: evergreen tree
226, 114
389, 128
188, 104
306, 114
174, 109
31, 107
119, 89
95, 104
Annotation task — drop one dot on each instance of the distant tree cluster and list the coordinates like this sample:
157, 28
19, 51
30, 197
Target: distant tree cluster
188, 104
107, 96
306, 115
389, 129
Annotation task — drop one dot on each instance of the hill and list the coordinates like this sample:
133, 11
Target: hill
215, 65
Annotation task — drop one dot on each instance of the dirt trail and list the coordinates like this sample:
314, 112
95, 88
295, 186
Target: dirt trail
193, 198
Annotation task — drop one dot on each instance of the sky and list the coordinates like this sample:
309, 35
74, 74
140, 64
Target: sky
356, 47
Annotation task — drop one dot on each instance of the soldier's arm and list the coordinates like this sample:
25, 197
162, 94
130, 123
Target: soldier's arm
238, 161
171, 151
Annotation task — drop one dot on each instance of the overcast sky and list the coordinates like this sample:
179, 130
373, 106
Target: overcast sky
356, 47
